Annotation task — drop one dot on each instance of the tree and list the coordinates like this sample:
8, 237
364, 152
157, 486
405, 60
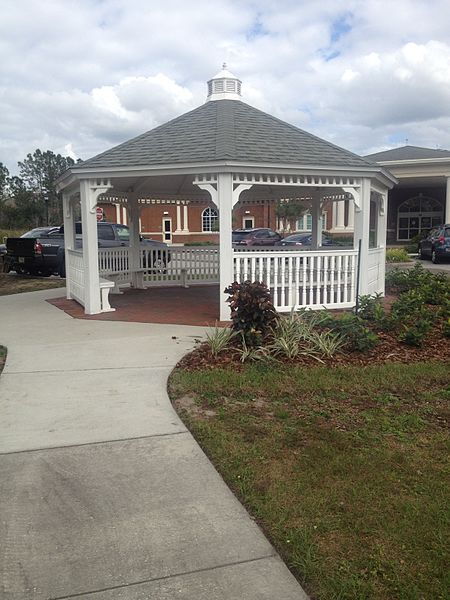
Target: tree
20, 209
288, 210
39, 171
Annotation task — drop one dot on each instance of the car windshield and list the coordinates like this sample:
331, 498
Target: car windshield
295, 238
35, 233
239, 235
123, 233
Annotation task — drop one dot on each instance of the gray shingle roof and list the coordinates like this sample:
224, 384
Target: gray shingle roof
225, 130
408, 153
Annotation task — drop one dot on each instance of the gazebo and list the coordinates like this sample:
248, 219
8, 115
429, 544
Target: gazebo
228, 151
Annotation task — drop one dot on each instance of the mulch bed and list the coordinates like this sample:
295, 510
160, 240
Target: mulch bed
389, 349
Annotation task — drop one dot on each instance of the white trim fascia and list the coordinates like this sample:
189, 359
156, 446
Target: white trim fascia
414, 161
227, 167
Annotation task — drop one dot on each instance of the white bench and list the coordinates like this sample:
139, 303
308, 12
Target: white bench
105, 288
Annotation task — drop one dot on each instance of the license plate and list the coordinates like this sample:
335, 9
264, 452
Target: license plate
21, 259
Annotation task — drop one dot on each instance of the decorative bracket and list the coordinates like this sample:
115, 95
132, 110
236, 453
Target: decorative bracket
238, 190
212, 189
383, 198
356, 196
96, 188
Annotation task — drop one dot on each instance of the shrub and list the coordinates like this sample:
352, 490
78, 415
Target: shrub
356, 335
252, 311
435, 288
396, 255
219, 339
371, 309
415, 319
188, 244
296, 335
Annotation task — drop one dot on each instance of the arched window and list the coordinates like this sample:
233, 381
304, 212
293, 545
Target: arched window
210, 219
418, 215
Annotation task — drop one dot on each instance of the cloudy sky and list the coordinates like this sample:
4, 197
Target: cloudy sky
79, 76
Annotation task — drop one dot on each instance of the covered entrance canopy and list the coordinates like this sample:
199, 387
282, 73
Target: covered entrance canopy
228, 151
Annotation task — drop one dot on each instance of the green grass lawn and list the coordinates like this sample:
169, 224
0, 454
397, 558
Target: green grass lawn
346, 469
10, 283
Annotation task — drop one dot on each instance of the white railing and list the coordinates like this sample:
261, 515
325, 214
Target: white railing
376, 271
162, 266
75, 275
191, 265
312, 279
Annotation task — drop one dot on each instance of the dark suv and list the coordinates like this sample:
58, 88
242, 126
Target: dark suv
255, 237
436, 245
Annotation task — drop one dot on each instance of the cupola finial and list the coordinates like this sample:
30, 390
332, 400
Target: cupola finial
224, 86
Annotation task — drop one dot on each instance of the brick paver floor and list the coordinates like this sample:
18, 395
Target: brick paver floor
197, 305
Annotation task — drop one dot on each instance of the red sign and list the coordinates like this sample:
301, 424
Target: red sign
99, 213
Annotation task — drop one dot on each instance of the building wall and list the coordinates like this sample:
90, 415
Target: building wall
154, 216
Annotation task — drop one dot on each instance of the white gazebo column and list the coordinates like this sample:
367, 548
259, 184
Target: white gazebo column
137, 277
185, 219
178, 227
362, 222
351, 215
88, 200
381, 238
339, 208
316, 226
225, 205
447, 202
69, 238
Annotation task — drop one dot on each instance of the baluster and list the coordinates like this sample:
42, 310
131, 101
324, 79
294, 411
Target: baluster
339, 298
311, 280
276, 293
304, 262
290, 281
332, 267
325, 280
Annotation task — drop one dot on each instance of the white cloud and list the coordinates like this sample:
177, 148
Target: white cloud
87, 75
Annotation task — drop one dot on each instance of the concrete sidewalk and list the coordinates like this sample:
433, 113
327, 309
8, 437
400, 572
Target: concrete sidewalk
104, 494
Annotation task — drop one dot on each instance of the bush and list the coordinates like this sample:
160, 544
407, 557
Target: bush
352, 328
411, 314
219, 339
371, 310
435, 288
252, 311
396, 255
188, 244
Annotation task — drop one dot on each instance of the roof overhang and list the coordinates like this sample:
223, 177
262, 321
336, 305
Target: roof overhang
69, 180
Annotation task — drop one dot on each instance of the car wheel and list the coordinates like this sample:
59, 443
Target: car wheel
434, 258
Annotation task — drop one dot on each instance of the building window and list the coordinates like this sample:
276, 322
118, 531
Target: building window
210, 219
417, 216
304, 223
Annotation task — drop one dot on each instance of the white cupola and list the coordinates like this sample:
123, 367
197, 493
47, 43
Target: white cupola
224, 86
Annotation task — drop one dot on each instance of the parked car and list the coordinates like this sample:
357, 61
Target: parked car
30, 252
41, 251
112, 235
304, 239
255, 237
436, 245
